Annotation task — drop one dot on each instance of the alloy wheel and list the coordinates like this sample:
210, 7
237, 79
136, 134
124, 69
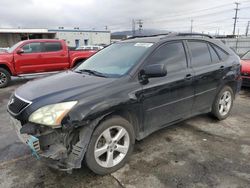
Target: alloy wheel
112, 146
3, 78
225, 103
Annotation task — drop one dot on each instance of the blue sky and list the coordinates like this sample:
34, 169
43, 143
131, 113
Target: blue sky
208, 16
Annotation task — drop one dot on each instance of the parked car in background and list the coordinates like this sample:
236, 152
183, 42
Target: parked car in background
38, 56
96, 48
245, 69
123, 93
3, 49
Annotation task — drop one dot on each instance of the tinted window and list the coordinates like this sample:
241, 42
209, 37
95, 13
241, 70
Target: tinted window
172, 55
223, 55
52, 46
32, 47
215, 58
200, 53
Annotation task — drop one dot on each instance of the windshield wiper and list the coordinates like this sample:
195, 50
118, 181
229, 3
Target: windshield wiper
92, 72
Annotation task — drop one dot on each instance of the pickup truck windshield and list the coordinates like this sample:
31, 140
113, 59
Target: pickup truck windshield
11, 49
115, 60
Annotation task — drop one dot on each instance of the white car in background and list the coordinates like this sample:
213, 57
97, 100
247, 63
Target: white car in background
96, 48
3, 50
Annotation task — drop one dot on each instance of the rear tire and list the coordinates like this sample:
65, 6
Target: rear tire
223, 103
110, 146
4, 78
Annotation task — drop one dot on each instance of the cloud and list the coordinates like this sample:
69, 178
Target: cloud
118, 14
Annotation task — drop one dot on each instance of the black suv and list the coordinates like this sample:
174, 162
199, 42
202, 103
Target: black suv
121, 94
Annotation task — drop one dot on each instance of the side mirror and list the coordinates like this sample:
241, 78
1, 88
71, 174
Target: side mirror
20, 51
152, 71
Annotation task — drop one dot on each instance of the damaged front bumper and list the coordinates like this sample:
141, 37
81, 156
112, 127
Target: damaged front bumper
62, 150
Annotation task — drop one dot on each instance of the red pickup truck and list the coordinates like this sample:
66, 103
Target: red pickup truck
38, 56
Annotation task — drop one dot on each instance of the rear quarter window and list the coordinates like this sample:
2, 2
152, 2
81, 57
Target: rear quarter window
214, 56
222, 54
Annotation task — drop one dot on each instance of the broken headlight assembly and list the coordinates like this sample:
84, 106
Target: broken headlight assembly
52, 115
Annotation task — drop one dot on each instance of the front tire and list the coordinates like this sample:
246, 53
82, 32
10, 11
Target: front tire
110, 146
4, 78
223, 103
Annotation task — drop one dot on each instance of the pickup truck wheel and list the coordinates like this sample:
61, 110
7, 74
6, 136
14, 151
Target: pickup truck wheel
110, 146
223, 103
4, 78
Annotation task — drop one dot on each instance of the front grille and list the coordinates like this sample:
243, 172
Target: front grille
17, 105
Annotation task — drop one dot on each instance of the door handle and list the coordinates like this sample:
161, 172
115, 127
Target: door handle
62, 55
189, 76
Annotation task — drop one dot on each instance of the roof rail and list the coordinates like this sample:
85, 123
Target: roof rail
142, 36
194, 34
171, 34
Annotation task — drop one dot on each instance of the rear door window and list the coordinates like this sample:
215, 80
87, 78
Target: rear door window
172, 55
200, 53
52, 46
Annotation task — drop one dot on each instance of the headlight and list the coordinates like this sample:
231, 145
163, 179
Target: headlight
52, 115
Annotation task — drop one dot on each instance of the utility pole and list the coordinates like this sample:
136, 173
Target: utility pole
191, 29
236, 16
247, 29
140, 22
133, 27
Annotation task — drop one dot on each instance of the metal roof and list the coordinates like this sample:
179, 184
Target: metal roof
77, 30
19, 30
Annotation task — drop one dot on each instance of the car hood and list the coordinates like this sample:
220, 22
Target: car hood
60, 87
245, 66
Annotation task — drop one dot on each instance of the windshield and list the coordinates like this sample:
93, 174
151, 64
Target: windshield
246, 56
11, 49
115, 60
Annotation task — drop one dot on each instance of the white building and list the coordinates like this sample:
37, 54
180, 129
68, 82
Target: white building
9, 36
76, 37
73, 37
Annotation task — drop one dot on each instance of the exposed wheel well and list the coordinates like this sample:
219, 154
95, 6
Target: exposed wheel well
130, 117
6, 68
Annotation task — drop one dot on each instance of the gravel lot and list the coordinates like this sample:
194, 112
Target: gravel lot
199, 152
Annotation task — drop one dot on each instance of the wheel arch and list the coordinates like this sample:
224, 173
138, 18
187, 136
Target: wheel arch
123, 113
6, 68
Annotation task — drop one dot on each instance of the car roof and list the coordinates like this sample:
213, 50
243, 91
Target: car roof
169, 36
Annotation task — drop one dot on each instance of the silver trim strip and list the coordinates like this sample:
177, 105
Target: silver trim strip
29, 103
